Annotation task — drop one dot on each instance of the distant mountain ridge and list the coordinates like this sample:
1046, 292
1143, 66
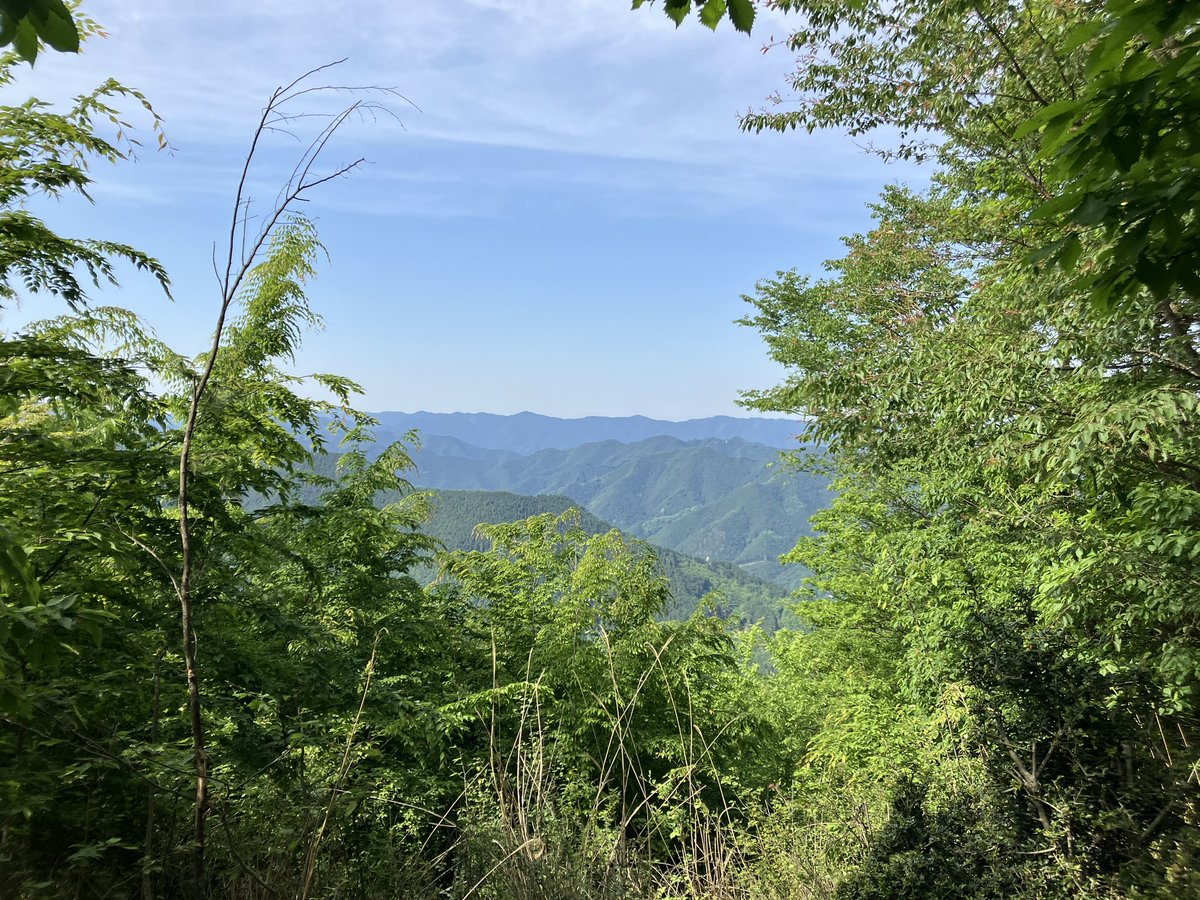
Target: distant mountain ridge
527, 432
719, 499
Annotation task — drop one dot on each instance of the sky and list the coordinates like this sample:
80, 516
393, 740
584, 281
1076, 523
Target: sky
558, 213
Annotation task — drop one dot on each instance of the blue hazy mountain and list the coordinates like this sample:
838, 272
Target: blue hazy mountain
528, 432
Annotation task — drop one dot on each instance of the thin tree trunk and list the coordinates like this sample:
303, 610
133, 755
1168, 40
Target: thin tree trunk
151, 792
195, 703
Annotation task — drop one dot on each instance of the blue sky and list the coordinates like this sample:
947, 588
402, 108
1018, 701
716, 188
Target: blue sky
566, 226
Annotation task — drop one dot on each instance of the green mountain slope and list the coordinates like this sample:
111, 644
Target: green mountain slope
720, 499
751, 525
743, 596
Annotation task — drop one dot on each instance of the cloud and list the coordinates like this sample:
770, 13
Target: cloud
587, 81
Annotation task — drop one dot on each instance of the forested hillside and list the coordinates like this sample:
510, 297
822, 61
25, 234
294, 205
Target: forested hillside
220, 675
732, 594
713, 499
738, 595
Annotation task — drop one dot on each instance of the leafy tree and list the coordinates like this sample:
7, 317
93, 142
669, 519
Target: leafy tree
648, 727
1018, 491
45, 153
90, 559
1124, 155
264, 272
997, 486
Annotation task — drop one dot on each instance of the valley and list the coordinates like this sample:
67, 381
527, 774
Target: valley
712, 497
718, 509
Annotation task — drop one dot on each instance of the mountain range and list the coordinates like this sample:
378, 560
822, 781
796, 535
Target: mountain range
528, 432
716, 497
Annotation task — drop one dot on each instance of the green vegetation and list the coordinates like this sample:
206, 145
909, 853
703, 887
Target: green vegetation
220, 677
28, 24
1016, 445
713, 499
732, 594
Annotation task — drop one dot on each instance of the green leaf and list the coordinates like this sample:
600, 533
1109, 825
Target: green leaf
1152, 274
677, 12
712, 12
56, 27
1125, 148
1091, 211
1044, 253
1069, 255
16, 575
1189, 279
741, 13
1043, 117
1055, 207
25, 41
1130, 246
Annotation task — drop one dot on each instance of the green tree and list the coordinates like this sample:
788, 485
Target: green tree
1123, 156
93, 554
1020, 510
601, 723
1018, 487
46, 153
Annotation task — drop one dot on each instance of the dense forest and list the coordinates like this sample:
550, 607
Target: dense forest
712, 499
724, 587
220, 676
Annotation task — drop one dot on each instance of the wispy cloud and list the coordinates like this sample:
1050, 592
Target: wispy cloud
576, 84
565, 225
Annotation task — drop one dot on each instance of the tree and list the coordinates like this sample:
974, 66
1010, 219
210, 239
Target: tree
265, 270
1018, 486
87, 556
43, 153
1124, 157
600, 723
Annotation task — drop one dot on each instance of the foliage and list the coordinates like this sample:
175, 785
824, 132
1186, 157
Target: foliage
993, 689
1126, 156
709, 12
646, 732
735, 594
712, 499
44, 153
1017, 474
26, 24
72, 422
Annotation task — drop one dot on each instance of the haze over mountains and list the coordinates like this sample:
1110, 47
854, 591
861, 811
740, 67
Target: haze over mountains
712, 494
528, 432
